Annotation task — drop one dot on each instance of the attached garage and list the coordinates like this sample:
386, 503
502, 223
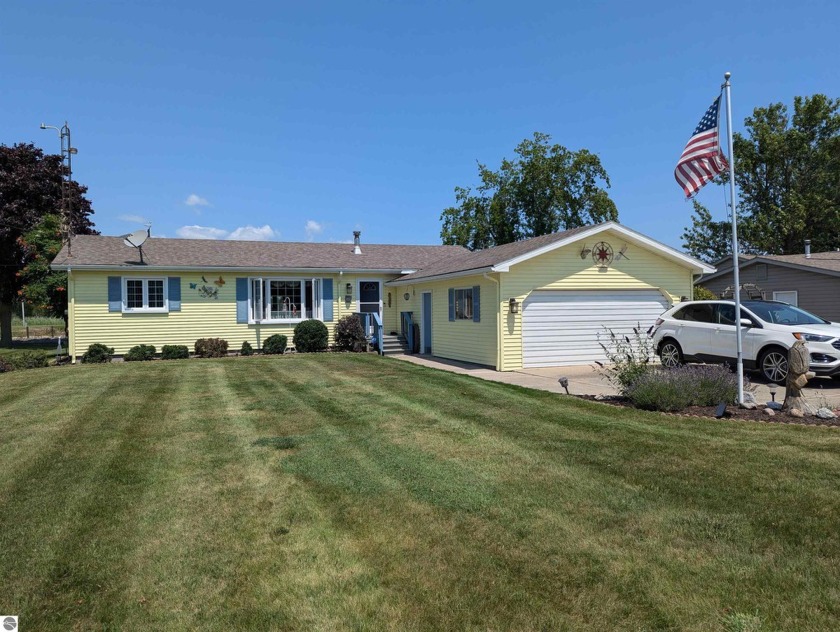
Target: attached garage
562, 327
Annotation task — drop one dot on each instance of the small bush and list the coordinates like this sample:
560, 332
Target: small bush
676, 389
6, 366
704, 294
97, 353
627, 357
275, 344
174, 352
246, 349
311, 335
140, 353
28, 360
211, 348
350, 334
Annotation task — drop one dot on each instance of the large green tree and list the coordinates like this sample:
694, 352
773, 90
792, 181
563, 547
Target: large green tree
546, 188
30, 192
787, 168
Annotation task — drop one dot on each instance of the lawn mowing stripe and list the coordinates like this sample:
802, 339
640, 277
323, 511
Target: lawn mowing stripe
97, 500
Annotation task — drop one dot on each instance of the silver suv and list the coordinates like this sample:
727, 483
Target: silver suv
704, 331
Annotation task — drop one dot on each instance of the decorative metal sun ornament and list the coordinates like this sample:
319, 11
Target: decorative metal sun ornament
602, 254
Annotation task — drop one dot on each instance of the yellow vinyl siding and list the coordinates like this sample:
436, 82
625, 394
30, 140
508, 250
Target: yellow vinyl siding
464, 340
90, 320
563, 269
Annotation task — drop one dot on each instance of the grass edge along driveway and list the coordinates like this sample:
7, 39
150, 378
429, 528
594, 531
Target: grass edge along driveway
338, 491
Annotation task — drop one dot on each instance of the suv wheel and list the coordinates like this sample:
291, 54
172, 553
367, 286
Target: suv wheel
774, 365
670, 354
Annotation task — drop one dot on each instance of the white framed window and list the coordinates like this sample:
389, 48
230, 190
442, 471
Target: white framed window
145, 294
464, 304
284, 300
787, 296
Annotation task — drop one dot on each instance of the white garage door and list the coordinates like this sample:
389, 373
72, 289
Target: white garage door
560, 328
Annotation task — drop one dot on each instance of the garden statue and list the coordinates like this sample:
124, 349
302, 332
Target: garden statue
797, 377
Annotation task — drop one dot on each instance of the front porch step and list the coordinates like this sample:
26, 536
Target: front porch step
392, 345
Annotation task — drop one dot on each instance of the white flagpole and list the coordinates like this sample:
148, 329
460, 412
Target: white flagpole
735, 262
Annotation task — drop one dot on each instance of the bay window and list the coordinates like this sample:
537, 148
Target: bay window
277, 300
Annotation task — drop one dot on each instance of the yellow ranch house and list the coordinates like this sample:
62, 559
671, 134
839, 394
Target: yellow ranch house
534, 303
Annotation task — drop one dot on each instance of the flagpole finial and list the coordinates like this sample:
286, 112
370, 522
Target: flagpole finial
726, 75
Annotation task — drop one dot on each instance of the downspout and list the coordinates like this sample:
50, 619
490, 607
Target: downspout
499, 321
71, 315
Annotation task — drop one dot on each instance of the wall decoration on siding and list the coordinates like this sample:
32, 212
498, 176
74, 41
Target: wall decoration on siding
602, 254
622, 254
205, 290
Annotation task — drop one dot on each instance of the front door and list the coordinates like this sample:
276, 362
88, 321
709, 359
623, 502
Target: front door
370, 297
427, 322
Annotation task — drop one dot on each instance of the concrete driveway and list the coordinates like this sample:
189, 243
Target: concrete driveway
585, 380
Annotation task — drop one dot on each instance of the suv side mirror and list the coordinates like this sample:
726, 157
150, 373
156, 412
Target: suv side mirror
746, 322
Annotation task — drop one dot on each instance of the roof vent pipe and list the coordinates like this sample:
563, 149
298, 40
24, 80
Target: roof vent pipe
357, 249
807, 248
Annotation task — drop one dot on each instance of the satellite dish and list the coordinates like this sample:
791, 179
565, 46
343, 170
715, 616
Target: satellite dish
137, 239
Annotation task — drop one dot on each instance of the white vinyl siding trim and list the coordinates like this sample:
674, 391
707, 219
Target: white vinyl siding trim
563, 327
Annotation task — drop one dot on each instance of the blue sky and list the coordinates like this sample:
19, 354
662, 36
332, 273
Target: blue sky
308, 120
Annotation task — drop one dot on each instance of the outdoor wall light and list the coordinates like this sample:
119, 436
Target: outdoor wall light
513, 305
348, 289
389, 299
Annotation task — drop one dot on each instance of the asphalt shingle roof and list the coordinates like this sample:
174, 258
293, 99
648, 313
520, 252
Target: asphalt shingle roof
98, 250
490, 256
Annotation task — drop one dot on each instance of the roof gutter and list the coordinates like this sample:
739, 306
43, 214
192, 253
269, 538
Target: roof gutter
144, 267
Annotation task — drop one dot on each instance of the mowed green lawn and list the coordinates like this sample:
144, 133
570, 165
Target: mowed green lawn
335, 492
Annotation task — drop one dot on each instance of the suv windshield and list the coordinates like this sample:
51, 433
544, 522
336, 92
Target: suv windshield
782, 313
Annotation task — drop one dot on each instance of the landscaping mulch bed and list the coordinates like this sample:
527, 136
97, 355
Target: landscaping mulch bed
732, 412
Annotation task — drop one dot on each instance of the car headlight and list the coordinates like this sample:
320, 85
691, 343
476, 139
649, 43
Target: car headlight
812, 337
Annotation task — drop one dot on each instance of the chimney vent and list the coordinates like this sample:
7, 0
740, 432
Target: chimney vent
357, 249
807, 248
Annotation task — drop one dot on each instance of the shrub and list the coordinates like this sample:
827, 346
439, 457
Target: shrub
349, 334
211, 348
246, 349
174, 352
678, 388
140, 353
704, 294
627, 357
275, 344
97, 353
24, 360
311, 335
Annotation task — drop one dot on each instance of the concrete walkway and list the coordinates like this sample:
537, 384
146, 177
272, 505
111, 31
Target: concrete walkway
585, 380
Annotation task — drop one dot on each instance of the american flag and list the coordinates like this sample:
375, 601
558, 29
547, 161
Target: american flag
702, 158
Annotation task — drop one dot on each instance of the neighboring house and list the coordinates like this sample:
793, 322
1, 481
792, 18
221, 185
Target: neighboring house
810, 281
539, 302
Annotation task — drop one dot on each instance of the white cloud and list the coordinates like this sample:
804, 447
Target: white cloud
313, 228
245, 233
201, 232
134, 219
196, 200
254, 233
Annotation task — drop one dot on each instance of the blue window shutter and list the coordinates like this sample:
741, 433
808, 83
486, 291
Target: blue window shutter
114, 294
241, 300
476, 303
327, 299
451, 304
174, 294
